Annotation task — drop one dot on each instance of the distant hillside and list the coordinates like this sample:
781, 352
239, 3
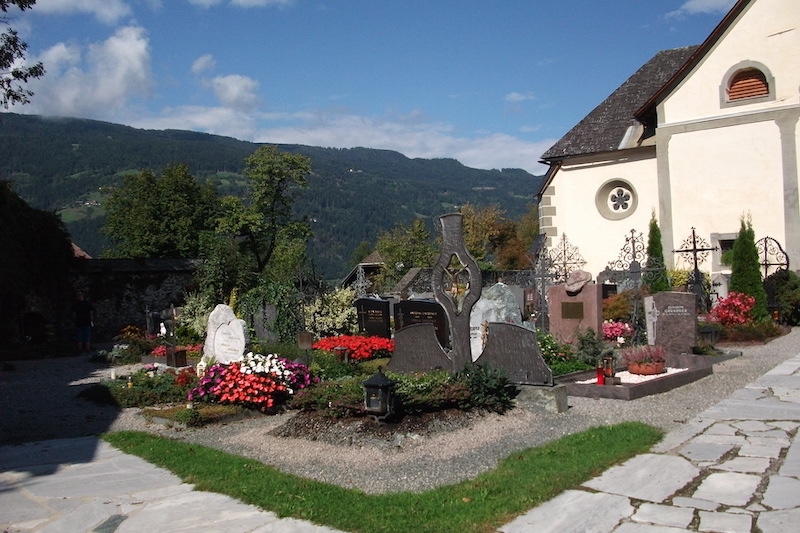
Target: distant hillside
66, 164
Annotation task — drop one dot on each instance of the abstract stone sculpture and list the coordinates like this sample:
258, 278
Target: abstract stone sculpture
456, 285
446, 279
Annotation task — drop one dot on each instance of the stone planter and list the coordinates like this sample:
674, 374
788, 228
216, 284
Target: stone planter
647, 369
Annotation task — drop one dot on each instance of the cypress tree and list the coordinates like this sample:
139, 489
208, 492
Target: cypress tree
746, 271
656, 276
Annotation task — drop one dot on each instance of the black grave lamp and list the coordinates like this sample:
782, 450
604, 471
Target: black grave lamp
379, 395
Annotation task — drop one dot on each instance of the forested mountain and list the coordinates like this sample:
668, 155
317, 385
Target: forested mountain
67, 165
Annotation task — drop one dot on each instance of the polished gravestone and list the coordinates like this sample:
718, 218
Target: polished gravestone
671, 321
373, 317
410, 312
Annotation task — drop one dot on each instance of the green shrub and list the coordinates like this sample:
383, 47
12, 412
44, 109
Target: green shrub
370, 366
327, 366
783, 294
193, 319
655, 278
558, 356
589, 347
566, 366
189, 417
746, 270
757, 330
337, 397
145, 390
550, 348
489, 388
617, 307
429, 391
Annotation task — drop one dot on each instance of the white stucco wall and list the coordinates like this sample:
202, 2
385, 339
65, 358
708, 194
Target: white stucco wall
576, 184
767, 32
719, 175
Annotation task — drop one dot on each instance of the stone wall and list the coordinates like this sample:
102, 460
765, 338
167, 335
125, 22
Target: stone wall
121, 289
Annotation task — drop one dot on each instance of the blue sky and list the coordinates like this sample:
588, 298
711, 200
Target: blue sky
492, 83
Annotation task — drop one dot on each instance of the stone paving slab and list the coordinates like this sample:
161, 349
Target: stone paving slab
588, 512
664, 515
782, 493
634, 478
727, 522
85, 484
701, 475
728, 488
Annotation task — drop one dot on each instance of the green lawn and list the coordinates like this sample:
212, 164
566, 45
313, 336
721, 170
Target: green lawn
520, 482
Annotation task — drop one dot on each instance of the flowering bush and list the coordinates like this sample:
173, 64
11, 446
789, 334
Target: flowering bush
643, 354
258, 391
332, 313
733, 310
359, 347
616, 331
258, 381
208, 381
159, 351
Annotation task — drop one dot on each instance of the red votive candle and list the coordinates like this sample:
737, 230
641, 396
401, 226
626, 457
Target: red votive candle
601, 375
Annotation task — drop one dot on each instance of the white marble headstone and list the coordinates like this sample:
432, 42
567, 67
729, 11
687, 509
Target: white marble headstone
226, 337
497, 304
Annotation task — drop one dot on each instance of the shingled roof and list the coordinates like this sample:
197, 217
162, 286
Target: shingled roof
604, 128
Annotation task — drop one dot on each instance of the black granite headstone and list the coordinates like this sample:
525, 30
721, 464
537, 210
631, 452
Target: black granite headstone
373, 317
410, 312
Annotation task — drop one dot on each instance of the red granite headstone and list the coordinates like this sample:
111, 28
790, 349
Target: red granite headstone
574, 312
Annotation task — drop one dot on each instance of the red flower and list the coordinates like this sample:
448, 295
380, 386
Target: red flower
359, 347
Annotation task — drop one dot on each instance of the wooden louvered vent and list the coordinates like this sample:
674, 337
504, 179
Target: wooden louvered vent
749, 83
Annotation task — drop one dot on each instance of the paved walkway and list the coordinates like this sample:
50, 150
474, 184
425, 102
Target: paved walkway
84, 484
734, 468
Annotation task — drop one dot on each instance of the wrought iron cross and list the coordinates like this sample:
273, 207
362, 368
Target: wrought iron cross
565, 258
698, 246
772, 255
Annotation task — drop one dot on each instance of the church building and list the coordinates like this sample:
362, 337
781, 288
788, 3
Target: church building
701, 136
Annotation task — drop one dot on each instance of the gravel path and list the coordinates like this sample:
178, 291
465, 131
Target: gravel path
38, 402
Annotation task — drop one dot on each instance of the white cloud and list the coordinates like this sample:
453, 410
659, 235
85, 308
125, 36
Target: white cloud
96, 83
515, 97
411, 137
235, 91
216, 120
107, 11
205, 3
408, 134
693, 7
203, 63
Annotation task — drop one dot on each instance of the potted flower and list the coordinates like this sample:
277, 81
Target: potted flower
645, 360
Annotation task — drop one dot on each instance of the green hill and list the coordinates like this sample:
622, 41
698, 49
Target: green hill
67, 165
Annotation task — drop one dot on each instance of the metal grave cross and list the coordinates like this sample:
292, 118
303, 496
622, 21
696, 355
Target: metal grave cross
698, 249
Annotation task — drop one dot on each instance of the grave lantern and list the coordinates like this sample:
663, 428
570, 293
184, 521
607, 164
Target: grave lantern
379, 394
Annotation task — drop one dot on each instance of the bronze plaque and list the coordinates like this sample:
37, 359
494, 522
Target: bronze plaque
572, 310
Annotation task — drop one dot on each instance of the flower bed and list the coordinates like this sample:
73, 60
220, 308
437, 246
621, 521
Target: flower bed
261, 382
358, 347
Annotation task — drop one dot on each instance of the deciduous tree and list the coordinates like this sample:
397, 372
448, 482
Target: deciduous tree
13, 72
160, 216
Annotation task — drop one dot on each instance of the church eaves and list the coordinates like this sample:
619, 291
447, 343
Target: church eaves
604, 128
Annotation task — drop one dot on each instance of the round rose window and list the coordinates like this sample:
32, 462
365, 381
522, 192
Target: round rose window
616, 199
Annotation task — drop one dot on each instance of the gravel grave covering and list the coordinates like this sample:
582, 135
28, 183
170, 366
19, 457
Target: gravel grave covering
38, 399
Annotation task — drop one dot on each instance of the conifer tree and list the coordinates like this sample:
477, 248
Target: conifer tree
746, 271
656, 275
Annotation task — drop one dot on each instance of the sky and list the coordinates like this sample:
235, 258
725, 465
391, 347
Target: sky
492, 83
